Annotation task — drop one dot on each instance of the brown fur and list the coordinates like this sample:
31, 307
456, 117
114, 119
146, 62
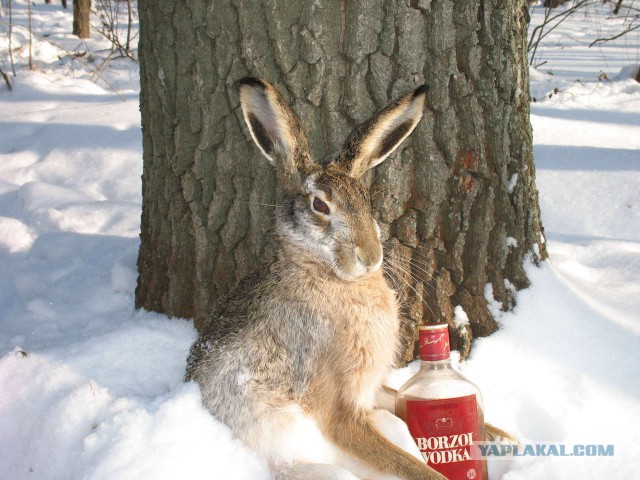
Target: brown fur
305, 341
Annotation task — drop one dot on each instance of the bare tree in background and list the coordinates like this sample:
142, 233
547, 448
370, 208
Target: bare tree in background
81, 18
557, 11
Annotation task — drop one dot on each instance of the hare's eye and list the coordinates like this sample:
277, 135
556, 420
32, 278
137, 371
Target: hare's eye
320, 206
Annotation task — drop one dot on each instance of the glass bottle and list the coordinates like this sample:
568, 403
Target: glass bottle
443, 410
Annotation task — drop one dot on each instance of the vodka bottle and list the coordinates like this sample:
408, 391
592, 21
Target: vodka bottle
443, 411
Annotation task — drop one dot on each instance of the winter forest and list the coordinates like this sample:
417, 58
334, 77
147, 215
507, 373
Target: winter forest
92, 388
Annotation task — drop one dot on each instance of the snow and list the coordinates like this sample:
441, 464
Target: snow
460, 317
92, 389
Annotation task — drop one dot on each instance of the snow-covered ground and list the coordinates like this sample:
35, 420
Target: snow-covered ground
92, 389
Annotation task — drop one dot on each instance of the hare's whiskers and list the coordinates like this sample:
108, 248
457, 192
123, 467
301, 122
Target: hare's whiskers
414, 277
395, 284
424, 256
428, 277
418, 295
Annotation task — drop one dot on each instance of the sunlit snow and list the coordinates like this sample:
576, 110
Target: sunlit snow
92, 389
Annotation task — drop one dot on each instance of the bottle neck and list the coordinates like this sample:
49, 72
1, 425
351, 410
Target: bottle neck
435, 364
434, 343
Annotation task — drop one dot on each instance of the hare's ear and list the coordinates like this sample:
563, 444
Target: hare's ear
273, 126
373, 141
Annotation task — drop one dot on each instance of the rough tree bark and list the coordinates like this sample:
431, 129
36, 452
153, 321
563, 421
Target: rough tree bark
458, 204
81, 17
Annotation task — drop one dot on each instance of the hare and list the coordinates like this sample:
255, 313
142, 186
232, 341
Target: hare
292, 358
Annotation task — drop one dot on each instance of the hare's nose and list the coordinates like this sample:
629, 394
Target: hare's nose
370, 259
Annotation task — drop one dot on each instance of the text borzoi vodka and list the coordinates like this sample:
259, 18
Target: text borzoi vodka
443, 410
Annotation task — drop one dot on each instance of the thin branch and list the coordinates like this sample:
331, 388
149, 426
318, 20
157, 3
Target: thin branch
548, 19
103, 64
70, 54
30, 38
539, 30
624, 32
617, 9
130, 21
109, 14
111, 87
13, 67
97, 73
6, 79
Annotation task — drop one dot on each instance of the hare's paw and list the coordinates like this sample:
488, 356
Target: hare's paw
394, 430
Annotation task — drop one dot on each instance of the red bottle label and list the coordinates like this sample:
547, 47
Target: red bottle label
446, 432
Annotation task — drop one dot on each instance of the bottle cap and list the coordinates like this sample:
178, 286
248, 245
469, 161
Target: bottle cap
434, 342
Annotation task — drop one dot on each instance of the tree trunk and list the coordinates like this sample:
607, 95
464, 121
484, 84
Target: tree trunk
81, 15
457, 204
